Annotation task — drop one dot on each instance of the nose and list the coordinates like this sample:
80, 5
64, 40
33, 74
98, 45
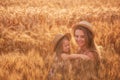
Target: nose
68, 47
78, 38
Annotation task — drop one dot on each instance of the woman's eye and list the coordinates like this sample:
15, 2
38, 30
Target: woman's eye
82, 36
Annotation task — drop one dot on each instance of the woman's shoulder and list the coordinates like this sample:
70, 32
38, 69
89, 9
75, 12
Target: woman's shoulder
93, 54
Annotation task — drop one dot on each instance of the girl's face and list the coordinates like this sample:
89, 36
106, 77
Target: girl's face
66, 46
80, 38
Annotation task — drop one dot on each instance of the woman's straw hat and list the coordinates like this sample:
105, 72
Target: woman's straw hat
84, 24
58, 38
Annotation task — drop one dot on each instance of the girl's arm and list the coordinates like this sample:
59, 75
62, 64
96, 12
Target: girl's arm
77, 56
70, 56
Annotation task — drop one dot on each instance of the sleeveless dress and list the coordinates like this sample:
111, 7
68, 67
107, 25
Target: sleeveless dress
59, 70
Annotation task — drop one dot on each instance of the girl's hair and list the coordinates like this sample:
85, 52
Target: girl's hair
59, 47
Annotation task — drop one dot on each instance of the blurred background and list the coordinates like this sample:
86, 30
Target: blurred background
27, 28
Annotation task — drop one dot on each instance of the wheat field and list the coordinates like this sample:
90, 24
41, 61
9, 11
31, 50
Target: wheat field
27, 28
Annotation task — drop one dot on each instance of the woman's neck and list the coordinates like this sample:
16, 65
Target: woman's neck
83, 49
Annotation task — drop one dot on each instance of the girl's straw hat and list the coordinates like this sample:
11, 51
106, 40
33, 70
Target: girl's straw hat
58, 38
84, 24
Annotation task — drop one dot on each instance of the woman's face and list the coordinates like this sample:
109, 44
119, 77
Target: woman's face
80, 38
66, 46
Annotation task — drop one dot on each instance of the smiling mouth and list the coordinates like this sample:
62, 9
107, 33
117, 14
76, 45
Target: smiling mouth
79, 42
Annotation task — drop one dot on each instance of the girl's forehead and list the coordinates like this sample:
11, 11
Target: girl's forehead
65, 40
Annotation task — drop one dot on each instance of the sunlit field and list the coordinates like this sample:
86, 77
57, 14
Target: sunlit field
27, 28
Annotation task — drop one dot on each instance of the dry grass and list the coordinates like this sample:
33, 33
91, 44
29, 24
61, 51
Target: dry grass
28, 26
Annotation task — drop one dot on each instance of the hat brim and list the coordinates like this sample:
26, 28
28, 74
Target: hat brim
78, 25
68, 35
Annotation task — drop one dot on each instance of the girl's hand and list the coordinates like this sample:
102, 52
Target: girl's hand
64, 56
86, 57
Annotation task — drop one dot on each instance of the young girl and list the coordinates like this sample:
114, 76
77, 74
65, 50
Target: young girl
61, 46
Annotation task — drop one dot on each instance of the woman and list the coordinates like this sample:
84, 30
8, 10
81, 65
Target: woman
84, 37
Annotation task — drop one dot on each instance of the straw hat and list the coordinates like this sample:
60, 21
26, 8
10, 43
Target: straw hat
59, 37
84, 24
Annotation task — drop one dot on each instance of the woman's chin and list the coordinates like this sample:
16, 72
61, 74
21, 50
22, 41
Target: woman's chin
81, 46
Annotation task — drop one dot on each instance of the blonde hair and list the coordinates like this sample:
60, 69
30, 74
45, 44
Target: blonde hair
59, 46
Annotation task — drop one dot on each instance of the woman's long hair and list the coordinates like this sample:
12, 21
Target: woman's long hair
90, 44
89, 39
